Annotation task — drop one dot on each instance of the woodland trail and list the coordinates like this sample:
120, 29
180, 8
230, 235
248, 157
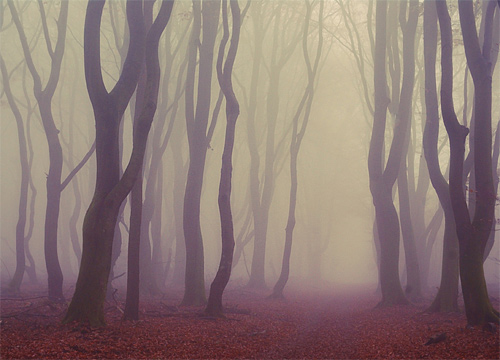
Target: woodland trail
308, 324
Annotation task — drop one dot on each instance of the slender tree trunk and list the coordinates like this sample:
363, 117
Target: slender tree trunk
15, 283
44, 100
446, 298
197, 121
297, 136
382, 179
473, 235
224, 75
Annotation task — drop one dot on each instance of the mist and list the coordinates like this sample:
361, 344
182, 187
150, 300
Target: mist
303, 78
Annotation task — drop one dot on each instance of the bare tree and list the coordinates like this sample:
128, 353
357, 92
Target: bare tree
472, 233
446, 298
206, 12
224, 75
44, 96
15, 283
303, 110
111, 190
382, 178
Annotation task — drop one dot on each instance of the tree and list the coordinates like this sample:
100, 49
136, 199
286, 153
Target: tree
472, 233
131, 311
382, 178
304, 110
101, 217
44, 97
15, 283
197, 124
224, 74
446, 298
262, 186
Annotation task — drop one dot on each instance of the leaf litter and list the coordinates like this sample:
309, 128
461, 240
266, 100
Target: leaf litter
307, 325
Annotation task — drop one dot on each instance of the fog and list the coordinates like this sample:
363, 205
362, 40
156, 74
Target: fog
333, 238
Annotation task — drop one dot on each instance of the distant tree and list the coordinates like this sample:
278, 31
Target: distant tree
17, 279
298, 132
111, 190
224, 75
262, 186
408, 25
153, 219
44, 97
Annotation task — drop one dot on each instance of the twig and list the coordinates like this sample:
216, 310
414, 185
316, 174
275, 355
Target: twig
22, 299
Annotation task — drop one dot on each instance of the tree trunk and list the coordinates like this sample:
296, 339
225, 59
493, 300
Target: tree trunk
44, 100
101, 217
472, 235
446, 298
15, 283
297, 136
197, 121
224, 74
382, 179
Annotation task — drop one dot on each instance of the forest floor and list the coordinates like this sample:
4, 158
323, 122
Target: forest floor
308, 324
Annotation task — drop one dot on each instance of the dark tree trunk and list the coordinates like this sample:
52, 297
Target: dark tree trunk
473, 235
446, 298
197, 121
382, 179
101, 217
224, 75
131, 311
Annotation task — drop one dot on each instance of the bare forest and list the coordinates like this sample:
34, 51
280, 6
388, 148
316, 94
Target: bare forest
249, 179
